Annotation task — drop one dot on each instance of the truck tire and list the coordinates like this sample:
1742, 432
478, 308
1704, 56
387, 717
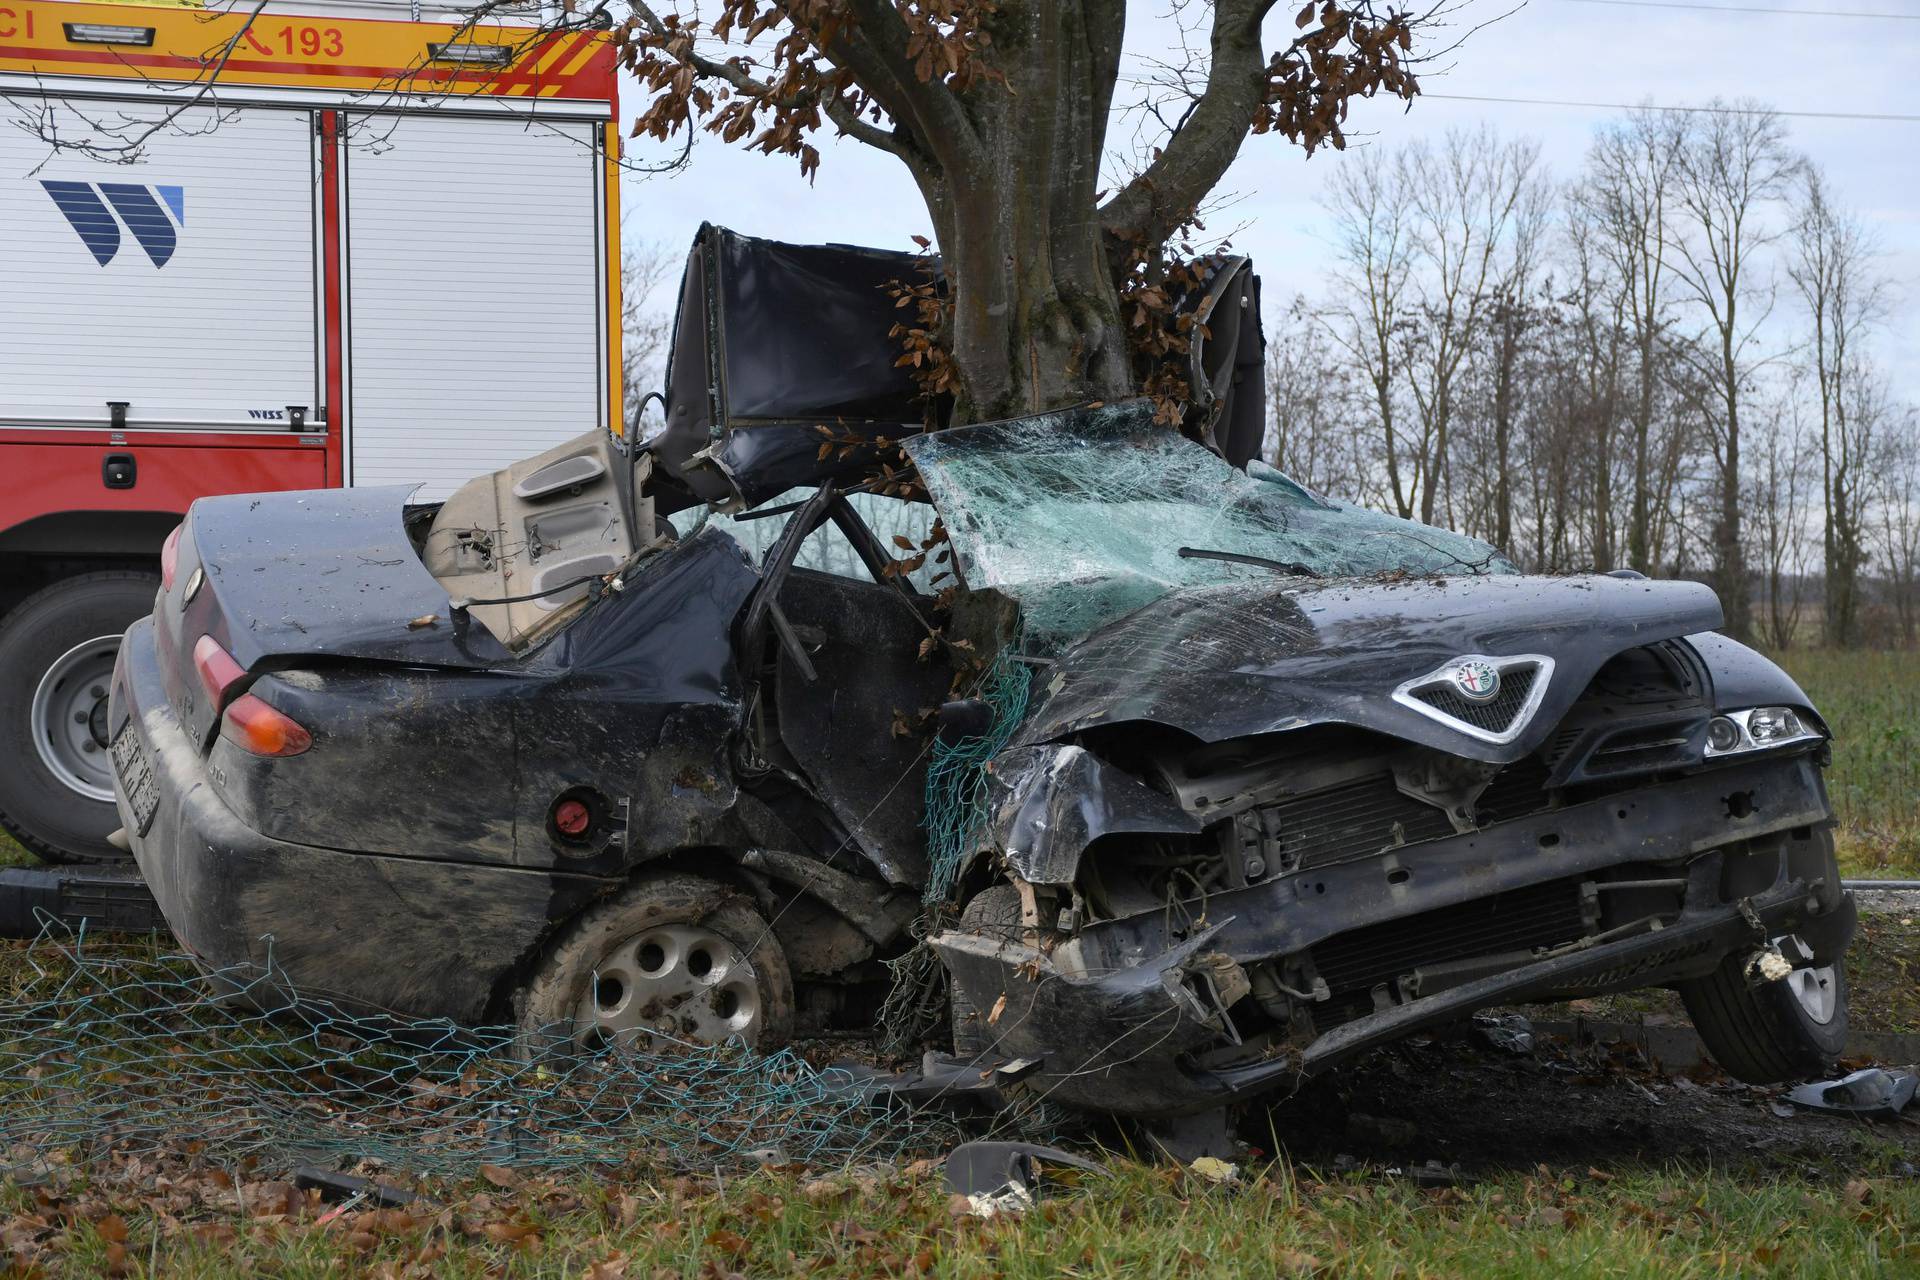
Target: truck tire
57, 649
1791, 1029
672, 958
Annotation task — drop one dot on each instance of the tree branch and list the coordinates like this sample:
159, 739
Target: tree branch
874, 48
1166, 192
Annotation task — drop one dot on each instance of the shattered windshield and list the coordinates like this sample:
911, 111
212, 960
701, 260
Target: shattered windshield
1081, 516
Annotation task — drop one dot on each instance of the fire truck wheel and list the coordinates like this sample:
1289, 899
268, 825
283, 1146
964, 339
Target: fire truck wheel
56, 658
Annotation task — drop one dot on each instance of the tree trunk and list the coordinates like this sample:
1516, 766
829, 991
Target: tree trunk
1036, 319
1729, 557
1640, 535
1503, 431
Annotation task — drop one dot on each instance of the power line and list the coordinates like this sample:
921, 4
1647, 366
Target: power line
1750, 8
1644, 106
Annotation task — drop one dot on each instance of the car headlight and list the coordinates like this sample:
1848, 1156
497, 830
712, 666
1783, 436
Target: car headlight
1757, 728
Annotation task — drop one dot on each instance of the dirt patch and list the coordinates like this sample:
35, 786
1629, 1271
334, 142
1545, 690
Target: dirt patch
1451, 1101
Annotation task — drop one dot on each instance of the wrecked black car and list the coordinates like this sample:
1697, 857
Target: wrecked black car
1167, 774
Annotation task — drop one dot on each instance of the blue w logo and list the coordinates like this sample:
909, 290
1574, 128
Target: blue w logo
137, 206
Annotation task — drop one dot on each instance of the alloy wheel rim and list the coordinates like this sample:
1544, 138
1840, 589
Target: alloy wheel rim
1813, 989
69, 717
674, 982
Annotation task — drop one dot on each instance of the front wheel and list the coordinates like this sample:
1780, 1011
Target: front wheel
1789, 1029
57, 650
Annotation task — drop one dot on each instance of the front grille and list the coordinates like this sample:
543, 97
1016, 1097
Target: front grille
1494, 716
1371, 815
1353, 964
1517, 791
1670, 744
1353, 820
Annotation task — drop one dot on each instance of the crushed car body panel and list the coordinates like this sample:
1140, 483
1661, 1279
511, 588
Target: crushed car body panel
1229, 661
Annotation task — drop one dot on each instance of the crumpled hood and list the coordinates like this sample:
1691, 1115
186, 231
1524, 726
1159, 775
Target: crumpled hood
322, 572
1228, 661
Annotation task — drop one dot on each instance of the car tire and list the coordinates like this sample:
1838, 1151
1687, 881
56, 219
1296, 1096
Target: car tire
56, 650
671, 958
994, 912
1789, 1029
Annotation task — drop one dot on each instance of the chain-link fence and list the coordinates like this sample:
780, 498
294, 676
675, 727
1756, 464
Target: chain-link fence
111, 1048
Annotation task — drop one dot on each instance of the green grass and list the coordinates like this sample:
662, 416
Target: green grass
12, 855
1144, 1222
1872, 703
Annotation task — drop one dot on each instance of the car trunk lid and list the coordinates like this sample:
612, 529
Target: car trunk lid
326, 574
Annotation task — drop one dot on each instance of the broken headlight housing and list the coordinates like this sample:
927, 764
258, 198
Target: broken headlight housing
1756, 729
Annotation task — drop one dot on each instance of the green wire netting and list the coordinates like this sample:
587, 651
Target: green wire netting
112, 1049
956, 815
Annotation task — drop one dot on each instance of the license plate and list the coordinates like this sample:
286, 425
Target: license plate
136, 777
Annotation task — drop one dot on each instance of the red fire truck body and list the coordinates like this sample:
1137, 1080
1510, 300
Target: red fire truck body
309, 245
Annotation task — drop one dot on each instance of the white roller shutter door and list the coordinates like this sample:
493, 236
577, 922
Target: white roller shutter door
182, 283
474, 290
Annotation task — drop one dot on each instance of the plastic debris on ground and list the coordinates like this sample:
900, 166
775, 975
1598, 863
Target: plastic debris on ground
1873, 1093
1507, 1032
1216, 1170
998, 1178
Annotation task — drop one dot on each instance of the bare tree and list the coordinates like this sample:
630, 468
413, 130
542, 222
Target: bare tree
646, 326
1470, 200
1373, 243
1899, 511
1732, 166
1624, 194
1311, 408
1831, 264
1778, 493
1595, 305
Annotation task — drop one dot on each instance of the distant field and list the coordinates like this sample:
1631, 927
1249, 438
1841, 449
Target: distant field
1872, 703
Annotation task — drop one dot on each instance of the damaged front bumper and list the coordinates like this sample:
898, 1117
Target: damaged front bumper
1134, 1015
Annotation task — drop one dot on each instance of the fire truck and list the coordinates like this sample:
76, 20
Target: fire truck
292, 245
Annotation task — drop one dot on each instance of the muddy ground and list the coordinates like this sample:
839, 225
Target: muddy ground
1457, 1102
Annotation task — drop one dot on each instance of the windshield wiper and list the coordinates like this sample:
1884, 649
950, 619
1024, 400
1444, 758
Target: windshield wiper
1235, 557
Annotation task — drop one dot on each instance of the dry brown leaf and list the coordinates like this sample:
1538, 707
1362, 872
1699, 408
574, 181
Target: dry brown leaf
504, 1178
731, 1243
999, 1007
611, 1267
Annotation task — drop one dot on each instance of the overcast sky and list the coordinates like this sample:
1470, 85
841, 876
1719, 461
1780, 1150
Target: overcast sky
1600, 51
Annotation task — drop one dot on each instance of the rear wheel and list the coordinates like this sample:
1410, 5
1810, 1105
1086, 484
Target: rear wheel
672, 958
1788, 1029
57, 650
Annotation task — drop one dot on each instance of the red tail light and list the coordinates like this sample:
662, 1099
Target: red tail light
253, 726
217, 669
170, 556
